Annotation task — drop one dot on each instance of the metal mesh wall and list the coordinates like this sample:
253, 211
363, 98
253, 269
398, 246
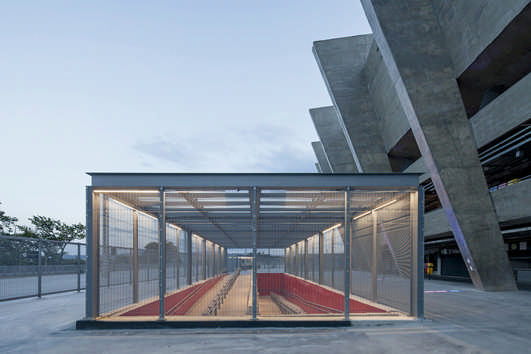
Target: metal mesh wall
299, 235
172, 258
115, 254
381, 256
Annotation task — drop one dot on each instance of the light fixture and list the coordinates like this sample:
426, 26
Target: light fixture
370, 211
333, 227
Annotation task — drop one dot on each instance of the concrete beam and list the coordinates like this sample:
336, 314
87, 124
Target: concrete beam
414, 51
391, 117
333, 139
469, 26
342, 62
324, 164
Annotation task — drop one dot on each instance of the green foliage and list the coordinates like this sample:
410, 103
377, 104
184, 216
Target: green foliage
7, 223
47, 229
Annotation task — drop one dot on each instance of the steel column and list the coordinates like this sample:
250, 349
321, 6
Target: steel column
204, 262
417, 253
306, 258
332, 257
135, 256
162, 252
178, 260
93, 206
374, 258
348, 220
188, 257
321, 258
254, 229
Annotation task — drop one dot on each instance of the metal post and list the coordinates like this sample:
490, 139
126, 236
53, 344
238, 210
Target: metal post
204, 263
332, 257
254, 229
39, 270
78, 267
296, 259
321, 258
93, 207
162, 252
374, 260
178, 260
305, 258
348, 220
188, 257
417, 253
135, 256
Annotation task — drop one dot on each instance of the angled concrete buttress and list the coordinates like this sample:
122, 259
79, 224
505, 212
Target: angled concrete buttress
324, 164
333, 139
342, 63
415, 54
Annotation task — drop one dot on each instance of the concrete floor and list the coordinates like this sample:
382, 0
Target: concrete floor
461, 321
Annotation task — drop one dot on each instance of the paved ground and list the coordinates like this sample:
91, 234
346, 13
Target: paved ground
460, 321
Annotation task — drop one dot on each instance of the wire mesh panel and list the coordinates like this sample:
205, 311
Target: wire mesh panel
381, 244
172, 258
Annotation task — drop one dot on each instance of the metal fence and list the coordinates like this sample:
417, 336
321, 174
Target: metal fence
33, 267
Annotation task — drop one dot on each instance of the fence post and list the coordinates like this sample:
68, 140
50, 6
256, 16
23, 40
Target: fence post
39, 270
78, 267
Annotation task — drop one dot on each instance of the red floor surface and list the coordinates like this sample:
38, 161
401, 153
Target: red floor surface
311, 297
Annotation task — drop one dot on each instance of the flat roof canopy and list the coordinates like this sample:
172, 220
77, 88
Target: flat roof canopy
218, 207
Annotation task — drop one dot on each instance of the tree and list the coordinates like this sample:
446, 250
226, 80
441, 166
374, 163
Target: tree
7, 223
54, 230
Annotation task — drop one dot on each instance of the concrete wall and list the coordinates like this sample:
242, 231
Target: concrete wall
469, 26
511, 203
508, 110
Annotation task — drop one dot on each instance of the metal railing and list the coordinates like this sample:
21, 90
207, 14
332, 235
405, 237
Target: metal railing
217, 301
35, 267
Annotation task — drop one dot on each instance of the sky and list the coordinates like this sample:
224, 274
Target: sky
156, 86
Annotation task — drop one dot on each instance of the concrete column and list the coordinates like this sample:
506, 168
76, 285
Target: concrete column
342, 63
414, 51
333, 139
324, 164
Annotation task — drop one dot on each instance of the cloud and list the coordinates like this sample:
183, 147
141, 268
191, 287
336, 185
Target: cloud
260, 148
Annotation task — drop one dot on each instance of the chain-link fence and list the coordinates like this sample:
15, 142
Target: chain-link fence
32, 267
